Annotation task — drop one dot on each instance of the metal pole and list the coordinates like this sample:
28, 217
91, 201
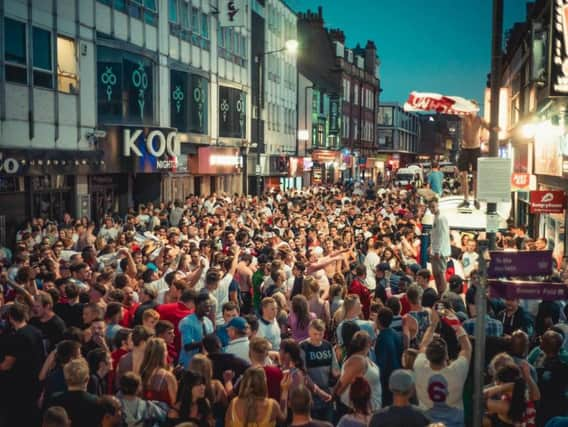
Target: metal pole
258, 123
481, 297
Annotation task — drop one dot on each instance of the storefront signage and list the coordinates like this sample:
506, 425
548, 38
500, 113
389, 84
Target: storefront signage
547, 202
558, 73
512, 289
8, 165
323, 156
216, 161
520, 263
157, 144
522, 182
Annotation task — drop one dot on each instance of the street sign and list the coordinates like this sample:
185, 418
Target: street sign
520, 263
513, 289
494, 179
547, 201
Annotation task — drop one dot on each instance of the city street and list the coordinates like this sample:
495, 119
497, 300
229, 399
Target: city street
261, 213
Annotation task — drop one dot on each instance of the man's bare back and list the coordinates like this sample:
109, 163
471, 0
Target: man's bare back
471, 123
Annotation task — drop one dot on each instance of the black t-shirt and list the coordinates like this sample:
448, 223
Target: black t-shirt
399, 416
429, 297
227, 362
553, 385
318, 361
72, 315
82, 407
26, 346
52, 331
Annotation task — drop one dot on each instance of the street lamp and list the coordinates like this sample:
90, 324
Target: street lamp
291, 47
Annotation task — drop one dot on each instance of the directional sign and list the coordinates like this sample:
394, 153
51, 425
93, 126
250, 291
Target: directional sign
520, 263
546, 291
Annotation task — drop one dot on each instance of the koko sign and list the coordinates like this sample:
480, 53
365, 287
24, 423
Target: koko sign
156, 143
8, 165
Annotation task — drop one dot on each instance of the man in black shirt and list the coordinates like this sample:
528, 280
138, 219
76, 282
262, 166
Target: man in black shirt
401, 413
82, 407
49, 323
23, 358
71, 311
221, 361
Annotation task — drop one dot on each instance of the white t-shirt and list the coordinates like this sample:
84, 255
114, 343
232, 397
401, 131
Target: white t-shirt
469, 263
371, 261
440, 392
221, 294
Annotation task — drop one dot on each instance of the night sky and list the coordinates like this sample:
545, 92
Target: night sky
425, 45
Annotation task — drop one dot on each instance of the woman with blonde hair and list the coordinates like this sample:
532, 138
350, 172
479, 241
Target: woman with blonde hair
253, 407
157, 380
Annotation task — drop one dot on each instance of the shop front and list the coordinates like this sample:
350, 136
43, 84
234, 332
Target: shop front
43, 183
326, 166
216, 169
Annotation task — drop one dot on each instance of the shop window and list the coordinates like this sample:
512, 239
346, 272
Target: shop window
43, 68
15, 51
67, 80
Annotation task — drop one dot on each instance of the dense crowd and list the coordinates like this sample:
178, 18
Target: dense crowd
305, 308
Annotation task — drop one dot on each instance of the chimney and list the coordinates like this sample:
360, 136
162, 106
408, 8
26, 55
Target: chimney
370, 57
320, 12
337, 35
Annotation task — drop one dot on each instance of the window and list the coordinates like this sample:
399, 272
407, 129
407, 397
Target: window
184, 15
204, 26
67, 80
15, 51
125, 87
220, 36
356, 94
195, 20
173, 11
43, 68
146, 9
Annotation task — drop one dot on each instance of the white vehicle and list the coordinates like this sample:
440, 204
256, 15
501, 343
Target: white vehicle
405, 176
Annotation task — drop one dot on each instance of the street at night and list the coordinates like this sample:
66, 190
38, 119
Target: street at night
262, 213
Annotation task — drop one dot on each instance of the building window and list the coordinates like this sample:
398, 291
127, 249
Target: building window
42, 62
141, 9
195, 20
232, 113
184, 15
125, 87
67, 80
173, 11
189, 104
15, 51
205, 26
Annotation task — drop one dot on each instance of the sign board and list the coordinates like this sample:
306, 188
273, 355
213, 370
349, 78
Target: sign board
547, 201
493, 222
494, 179
8, 165
523, 182
520, 263
558, 72
546, 291
232, 13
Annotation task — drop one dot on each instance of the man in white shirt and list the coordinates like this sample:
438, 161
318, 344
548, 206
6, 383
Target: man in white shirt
238, 331
439, 384
268, 325
440, 248
372, 259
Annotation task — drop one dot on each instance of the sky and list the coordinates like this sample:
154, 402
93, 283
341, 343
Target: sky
439, 46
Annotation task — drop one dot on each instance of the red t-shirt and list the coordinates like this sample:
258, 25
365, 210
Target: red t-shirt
360, 289
174, 312
273, 378
405, 305
128, 315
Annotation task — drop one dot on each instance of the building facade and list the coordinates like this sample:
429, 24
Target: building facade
398, 135
274, 77
105, 104
533, 120
342, 87
440, 136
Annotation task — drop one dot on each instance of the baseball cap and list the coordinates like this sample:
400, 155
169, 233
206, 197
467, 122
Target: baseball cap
415, 268
152, 266
239, 323
401, 381
383, 266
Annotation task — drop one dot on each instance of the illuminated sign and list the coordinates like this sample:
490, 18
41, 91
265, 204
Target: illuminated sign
166, 144
8, 165
559, 62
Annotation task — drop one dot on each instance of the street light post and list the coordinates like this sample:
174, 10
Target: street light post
291, 46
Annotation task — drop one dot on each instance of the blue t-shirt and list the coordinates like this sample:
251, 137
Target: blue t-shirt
435, 180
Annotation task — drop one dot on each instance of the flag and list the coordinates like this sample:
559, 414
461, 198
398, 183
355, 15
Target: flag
419, 101
232, 13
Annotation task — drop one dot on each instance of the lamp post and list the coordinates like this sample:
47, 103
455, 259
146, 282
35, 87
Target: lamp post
291, 46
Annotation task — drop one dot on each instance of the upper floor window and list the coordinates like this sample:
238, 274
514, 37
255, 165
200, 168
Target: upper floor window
67, 80
15, 51
42, 60
141, 9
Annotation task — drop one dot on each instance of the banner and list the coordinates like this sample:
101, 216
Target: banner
232, 13
422, 101
547, 202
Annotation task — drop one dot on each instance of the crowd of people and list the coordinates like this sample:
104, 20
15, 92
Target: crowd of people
305, 308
